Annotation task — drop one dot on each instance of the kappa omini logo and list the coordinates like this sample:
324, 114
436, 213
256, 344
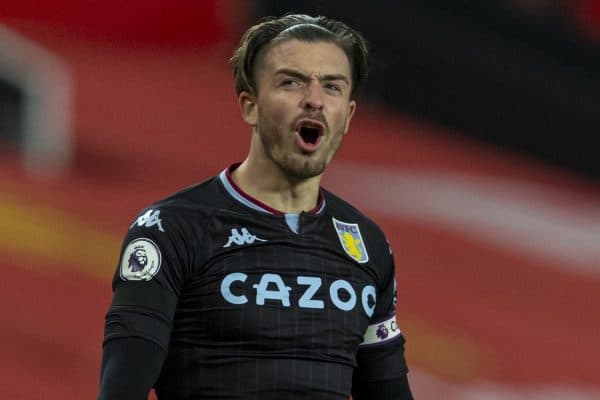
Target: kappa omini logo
245, 237
149, 219
351, 240
140, 260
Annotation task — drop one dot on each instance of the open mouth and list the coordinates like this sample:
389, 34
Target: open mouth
310, 134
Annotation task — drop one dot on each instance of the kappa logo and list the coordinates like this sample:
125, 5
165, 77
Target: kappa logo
149, 219
242, 238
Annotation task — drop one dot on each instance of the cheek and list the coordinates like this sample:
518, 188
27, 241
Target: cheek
342, 119
275, 117
269, 109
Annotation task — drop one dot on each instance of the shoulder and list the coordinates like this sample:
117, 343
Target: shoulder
198, 199
184, 214
169, 232
207, 194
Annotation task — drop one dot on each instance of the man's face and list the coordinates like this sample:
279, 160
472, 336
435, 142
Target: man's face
302, 107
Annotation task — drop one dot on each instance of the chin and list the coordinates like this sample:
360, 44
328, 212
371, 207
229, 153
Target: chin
305, 169
310, 169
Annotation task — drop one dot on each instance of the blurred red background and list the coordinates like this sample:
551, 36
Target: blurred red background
497, 255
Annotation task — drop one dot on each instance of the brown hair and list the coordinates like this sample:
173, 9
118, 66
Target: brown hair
301, 27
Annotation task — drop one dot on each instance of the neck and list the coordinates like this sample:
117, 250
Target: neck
271, 186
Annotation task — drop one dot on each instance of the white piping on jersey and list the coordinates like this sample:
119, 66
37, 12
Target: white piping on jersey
236, 195
320, 210
291, 219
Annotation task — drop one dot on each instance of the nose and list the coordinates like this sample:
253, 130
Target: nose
313, 96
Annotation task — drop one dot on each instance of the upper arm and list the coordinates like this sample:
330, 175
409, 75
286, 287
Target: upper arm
154, 265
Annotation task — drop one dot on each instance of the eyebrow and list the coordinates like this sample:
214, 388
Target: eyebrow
300, 75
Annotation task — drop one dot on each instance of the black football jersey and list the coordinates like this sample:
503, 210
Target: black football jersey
252, 303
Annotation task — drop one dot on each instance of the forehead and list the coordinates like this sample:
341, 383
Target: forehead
311, 58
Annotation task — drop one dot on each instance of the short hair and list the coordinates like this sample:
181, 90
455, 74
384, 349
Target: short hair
271, 30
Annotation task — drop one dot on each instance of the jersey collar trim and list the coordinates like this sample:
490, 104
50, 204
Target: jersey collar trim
237, 193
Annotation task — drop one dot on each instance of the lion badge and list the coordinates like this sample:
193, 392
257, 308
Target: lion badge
140, 260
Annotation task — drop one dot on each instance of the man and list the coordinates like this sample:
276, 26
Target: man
259, 284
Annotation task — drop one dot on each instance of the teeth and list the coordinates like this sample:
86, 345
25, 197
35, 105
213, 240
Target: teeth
309, 125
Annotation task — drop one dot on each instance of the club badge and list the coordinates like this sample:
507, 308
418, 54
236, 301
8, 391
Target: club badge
351, 240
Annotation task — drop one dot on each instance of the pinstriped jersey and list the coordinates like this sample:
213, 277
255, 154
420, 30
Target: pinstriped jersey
258, 303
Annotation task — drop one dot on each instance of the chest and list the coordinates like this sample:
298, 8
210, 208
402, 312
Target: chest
259, 279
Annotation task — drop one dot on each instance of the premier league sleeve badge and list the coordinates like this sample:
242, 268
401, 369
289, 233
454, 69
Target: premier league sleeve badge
140, 260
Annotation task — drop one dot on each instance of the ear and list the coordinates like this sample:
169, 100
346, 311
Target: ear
351, 109
247, 103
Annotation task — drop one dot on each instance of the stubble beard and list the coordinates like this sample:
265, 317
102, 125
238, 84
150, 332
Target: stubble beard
295, 165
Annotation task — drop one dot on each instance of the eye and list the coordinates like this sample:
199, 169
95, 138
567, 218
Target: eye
333, 87
290, 83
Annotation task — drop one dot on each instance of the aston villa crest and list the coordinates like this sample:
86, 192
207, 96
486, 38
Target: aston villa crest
351, 240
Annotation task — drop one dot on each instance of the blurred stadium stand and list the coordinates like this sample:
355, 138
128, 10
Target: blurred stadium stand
497, 252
